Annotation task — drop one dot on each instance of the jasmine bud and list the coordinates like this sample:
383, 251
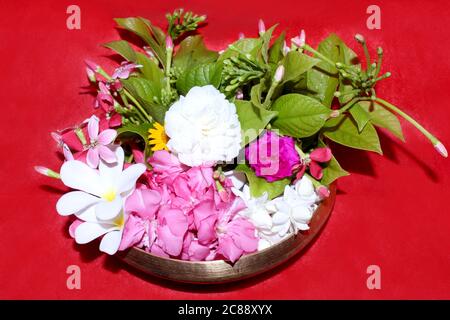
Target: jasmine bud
360, 38
440, 148
335, 114
337, 94
279, 74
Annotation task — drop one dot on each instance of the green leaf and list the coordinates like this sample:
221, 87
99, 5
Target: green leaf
383, 118
249, 46
323, 78
256, 92
276, 50
140, 27
123, 48
298, 115
266, 42
296, 63
253, 119
192, 51
343, 130
146, 94
360, 116
258, 186
333, 170
200, 75
150, 70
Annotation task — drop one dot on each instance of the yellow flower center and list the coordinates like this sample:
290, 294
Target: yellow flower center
109, 195
119, 221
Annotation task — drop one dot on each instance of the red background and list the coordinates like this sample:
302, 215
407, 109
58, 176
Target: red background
391, 212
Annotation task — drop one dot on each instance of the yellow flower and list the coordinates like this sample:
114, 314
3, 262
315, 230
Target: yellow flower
157, 137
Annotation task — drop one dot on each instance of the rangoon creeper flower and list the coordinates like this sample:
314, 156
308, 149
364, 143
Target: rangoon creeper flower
100, 144
101, 193
203, 127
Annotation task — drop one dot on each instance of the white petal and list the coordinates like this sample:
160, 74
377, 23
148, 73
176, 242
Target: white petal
111, 242
129, 176
280, 218
87, 231
78, 175
110, 172
107, 210
88, 215
75, 201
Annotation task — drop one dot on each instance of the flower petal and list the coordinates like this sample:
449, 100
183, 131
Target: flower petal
93, 128
321, 154
107, 137
107, 154
92, 157
127, 180
111, 242
78, 175
110, 172
87, 231
316, 170
108, 210
75, 201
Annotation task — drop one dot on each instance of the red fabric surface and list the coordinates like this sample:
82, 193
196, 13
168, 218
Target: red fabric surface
390, 212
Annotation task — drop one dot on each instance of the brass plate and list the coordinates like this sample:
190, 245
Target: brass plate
219, 271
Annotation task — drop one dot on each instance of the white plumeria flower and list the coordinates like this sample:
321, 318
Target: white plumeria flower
93, 228
103, 190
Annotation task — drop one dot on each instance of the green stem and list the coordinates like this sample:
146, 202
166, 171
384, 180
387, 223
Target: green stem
138, 106
351, 103
317, 53
367, 54
408, 118
270, 94
300, 152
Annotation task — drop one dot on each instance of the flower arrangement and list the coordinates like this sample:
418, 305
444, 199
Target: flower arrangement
201, 155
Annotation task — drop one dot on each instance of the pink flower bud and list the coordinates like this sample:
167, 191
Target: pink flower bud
323, 192
261, 27
302, 38
67, 153
241, 35
169, 43
239, 94
334, 114
441, 149
92, 65
279, 74
46, 172
90, 75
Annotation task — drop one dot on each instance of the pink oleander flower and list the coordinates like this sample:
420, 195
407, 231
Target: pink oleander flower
272, 157
171, 229
313, 161
194, 251
235, 235
100, 144
125, 69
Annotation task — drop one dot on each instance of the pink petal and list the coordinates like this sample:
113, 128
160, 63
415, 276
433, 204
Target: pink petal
107, 154
321, 154
115, 120
92, 157
107, 136
144, 202
133, 232
73, 226
93, 128
316, 170
228, 249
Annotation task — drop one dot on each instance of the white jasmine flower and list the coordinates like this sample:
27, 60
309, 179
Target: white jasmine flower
203, 127
293, 211
104, 189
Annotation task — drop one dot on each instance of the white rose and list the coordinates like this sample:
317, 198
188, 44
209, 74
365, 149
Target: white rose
203, 127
